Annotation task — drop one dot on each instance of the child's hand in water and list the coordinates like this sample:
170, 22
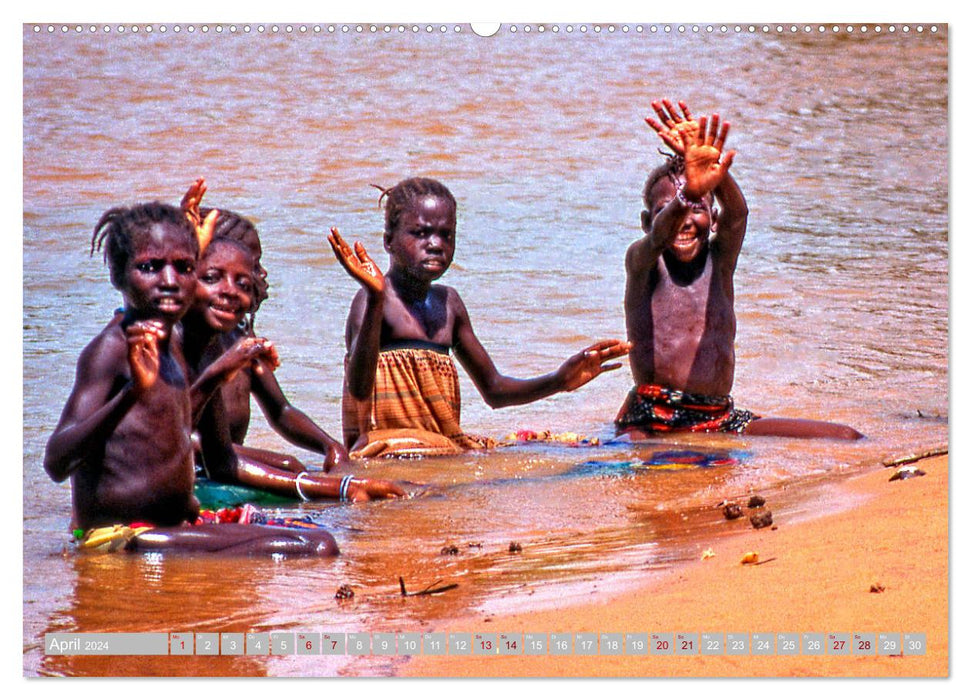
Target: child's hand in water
585, 365
357, 262
143, 355
673, 128
702, 170
371, 489
190, 206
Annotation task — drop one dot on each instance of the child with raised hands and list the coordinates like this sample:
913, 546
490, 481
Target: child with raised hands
680, 300
219, 352
401, 390
221, 348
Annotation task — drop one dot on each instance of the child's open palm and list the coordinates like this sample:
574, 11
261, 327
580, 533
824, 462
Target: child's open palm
190, 206
673, 128
703, 150
590, 363
357, 262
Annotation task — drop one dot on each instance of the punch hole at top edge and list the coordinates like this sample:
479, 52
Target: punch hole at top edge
485, 28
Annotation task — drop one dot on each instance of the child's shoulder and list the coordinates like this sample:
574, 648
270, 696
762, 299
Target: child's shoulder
449, 295
106, 351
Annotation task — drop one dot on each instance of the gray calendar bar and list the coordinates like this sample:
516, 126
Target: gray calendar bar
107, 644
487, 643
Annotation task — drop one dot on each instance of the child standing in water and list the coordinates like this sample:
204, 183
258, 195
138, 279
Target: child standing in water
401, 391
680, 298
124, 434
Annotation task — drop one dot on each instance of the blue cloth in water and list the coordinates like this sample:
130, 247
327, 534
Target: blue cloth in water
667, 460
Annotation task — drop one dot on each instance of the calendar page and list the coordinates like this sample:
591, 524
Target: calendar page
437, 349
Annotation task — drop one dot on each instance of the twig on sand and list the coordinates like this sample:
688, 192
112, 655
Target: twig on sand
936, 452
428, 590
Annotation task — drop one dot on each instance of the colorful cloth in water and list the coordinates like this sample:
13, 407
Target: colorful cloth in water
248, 514
414, 408
656, 409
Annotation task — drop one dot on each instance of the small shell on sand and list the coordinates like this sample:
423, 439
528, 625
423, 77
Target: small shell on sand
907, 473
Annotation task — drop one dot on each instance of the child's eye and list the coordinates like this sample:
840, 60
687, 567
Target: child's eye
210, 277
184, 267
149, 266
245, 285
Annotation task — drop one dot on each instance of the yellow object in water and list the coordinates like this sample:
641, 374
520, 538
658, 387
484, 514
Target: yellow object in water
111, 537
670, 466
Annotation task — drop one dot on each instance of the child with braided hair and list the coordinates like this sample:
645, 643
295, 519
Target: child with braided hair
680, 300
220, 343
124, 434
401, 393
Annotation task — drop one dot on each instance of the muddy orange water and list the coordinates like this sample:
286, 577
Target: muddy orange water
841, 291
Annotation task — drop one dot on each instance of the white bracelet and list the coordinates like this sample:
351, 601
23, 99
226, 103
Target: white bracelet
300, 493
345, 487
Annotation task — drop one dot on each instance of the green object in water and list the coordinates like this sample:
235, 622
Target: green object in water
213, 495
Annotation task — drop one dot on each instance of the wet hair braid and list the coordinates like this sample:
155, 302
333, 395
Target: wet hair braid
118, 229
406, 193
231, 226
671, 168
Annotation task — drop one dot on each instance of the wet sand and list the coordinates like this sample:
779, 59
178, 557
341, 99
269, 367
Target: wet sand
819, 579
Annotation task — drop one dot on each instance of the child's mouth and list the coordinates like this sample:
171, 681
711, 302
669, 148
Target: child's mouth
169, 304
225, 312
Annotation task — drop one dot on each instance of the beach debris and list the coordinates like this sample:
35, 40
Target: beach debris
427, 590
570, 439
877, 587
756, 502
936, 452
449, 550
750, 558
475, 545
761, 519
732, 511
515, 548
907, 473
345, 592
707, 554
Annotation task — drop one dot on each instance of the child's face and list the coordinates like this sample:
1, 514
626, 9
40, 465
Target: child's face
423, 242
693, 236
160, 275
224, 292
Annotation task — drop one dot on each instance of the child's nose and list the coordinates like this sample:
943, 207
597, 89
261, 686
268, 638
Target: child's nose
170, 276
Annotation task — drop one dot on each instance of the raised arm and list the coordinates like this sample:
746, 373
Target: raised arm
499, 390
292, 423
363, 336
678, 131
101, 397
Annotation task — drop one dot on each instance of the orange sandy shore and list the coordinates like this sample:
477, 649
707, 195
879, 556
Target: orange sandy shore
819, 581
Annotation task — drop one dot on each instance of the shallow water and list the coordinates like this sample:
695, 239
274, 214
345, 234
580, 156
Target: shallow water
842, 292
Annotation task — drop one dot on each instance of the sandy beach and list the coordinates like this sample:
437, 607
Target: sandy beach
880, 566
